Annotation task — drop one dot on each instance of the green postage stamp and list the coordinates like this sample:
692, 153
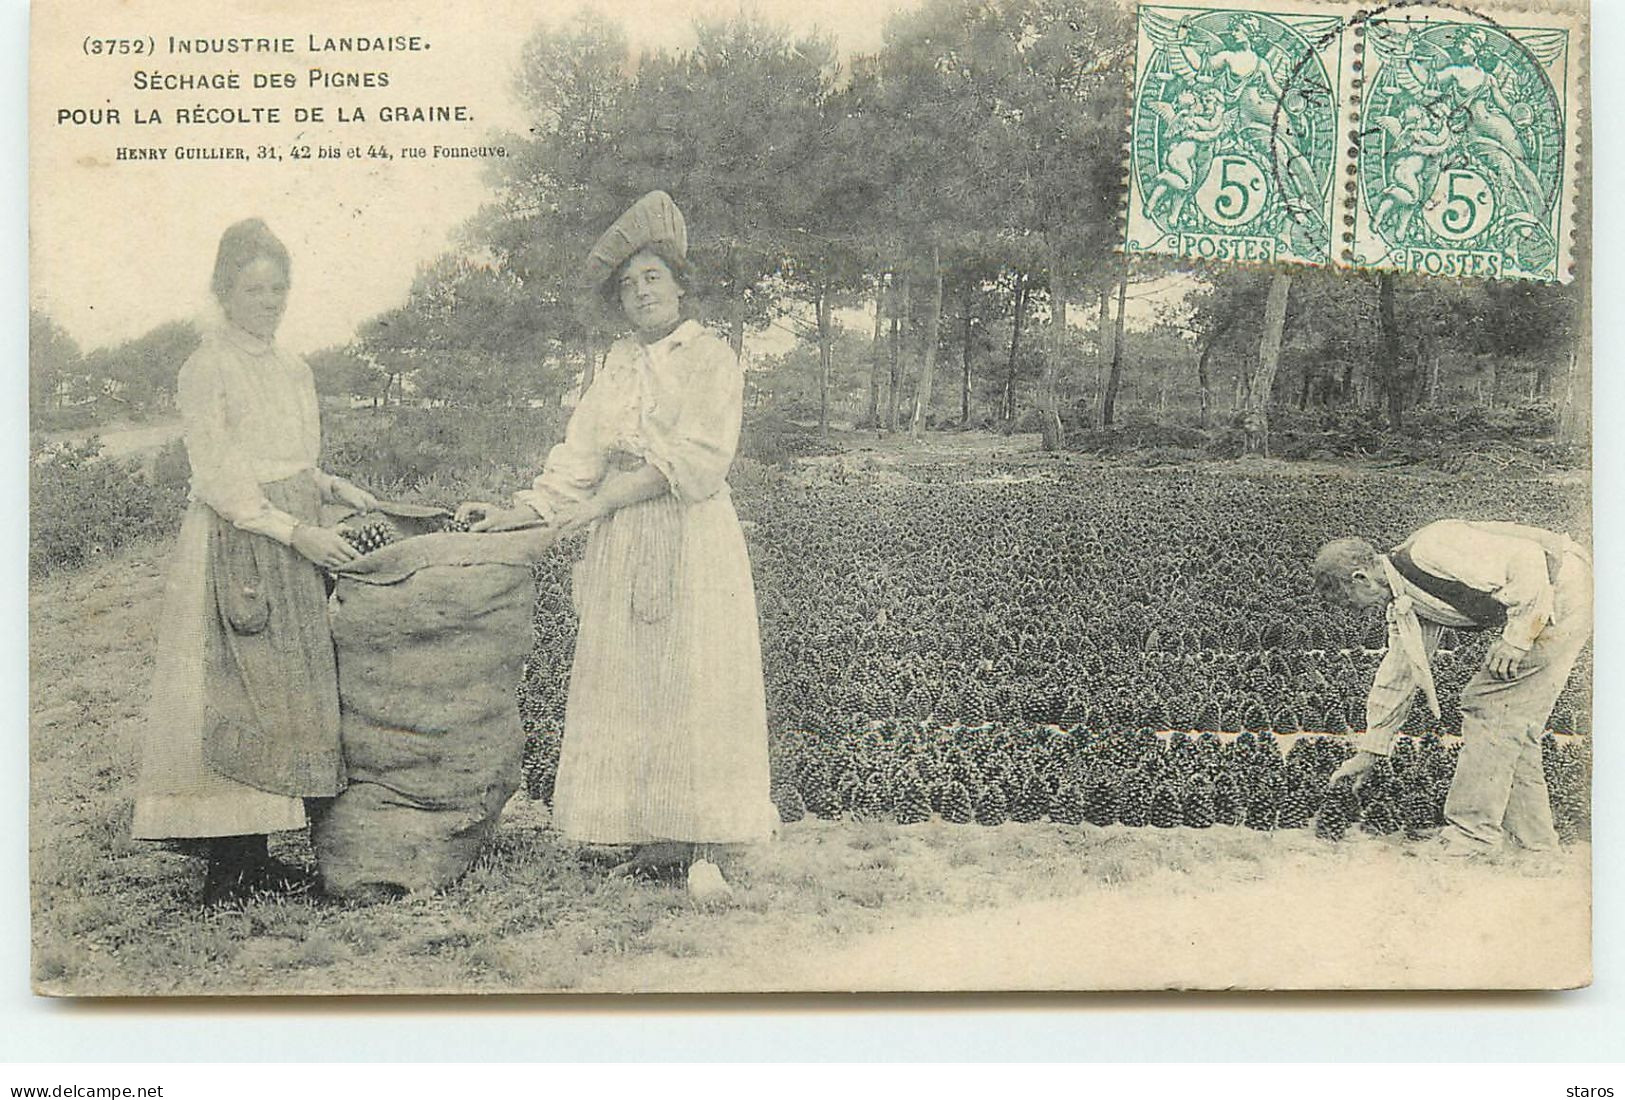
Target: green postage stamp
1420, 137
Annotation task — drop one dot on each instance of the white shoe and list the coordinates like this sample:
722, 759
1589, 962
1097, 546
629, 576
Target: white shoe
705, 881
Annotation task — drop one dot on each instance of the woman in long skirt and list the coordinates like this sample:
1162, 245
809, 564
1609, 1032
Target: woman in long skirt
665, 729
244, 723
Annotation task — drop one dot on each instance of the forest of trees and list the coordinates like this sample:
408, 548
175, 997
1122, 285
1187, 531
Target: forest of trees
958, 190
131, 379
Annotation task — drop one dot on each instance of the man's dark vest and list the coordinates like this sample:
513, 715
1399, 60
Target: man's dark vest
1486, 612
1479, 606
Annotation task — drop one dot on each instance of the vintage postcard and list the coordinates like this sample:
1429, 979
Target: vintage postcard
607, 496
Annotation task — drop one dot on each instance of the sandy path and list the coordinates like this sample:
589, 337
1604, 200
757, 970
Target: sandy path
120, 440
132, 441
1369, 917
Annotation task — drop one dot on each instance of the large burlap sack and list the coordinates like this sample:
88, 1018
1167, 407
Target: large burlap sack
431, 633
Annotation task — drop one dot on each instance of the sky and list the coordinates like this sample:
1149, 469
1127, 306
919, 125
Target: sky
118, 246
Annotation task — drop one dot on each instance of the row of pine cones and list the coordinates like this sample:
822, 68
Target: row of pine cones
373, 533
992, 775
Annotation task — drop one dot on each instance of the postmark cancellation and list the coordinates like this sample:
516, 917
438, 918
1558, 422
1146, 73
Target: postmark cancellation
1424, 137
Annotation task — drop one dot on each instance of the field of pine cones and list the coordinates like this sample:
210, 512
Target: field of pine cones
977, 646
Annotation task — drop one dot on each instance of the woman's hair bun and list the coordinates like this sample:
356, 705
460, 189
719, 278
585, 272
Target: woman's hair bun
240, 245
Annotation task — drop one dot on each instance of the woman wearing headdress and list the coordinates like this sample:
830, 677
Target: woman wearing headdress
665, 729
244, 720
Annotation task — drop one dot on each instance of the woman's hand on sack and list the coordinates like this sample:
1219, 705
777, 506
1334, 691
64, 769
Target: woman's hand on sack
579, 516
323, 545
354, 496
505, 519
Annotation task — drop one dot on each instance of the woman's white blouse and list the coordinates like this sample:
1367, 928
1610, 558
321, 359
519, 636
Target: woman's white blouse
250, 417
675, 403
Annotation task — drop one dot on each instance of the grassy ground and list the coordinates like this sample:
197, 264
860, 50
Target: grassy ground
825, 906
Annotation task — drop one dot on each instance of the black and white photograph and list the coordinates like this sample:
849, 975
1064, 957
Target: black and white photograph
938, 495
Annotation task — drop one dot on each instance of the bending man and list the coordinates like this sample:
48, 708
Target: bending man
1531, 585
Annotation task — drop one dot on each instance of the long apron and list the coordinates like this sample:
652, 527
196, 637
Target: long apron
665, 728
244, 720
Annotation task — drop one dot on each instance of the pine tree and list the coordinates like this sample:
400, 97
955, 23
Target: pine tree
956, 805
1066, 806
991, 807
1166, 810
